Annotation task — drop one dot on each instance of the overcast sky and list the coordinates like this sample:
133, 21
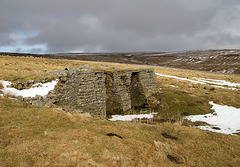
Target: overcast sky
43, 26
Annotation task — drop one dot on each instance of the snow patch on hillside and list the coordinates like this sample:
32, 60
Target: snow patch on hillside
218, 82
204, 81
225, 119
179, 78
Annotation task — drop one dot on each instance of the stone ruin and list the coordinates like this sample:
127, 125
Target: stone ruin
100, 92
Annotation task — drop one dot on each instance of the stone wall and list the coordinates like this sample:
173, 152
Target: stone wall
101, 92
129, 89
82, 92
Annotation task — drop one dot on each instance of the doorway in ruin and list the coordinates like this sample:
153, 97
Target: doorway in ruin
113, 97
138, 99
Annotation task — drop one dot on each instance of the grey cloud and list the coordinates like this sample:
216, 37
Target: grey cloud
107, 25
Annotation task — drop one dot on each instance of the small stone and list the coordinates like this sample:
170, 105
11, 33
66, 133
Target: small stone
216, 128
27, 99
39, 98
51, 95
104, 65
63, 78
49, 104
212, 89
20, 98
19, 86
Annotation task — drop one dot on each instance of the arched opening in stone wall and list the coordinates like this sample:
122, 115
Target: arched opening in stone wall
138, 99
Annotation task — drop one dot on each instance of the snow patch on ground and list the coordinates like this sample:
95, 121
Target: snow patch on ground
179, 78
174, 86
218, 82
225, 119
131, 117
204, 81
42, 89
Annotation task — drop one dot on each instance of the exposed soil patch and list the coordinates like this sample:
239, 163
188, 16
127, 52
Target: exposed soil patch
191, 104
216, 128
212, 89
113, 134
185, 113
169, 136
174, 159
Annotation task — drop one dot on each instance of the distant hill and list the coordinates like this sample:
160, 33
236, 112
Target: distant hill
220, 61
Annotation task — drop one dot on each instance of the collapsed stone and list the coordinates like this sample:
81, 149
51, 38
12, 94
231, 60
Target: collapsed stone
100, 92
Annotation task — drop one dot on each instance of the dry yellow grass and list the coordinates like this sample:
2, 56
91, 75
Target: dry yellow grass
41, 65
32, 136
14, 71
25, 68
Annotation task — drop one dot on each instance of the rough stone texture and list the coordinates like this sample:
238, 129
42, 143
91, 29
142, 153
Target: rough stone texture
129, 89
100, 92
80, 91
30, 83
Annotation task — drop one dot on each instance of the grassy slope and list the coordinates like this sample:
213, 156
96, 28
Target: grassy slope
32, 136
39, 136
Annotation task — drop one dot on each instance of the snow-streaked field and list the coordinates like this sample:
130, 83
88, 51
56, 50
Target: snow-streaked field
40, 89
205, 81
225, 119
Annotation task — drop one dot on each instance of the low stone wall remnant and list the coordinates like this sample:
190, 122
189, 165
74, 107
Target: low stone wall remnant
100, 92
